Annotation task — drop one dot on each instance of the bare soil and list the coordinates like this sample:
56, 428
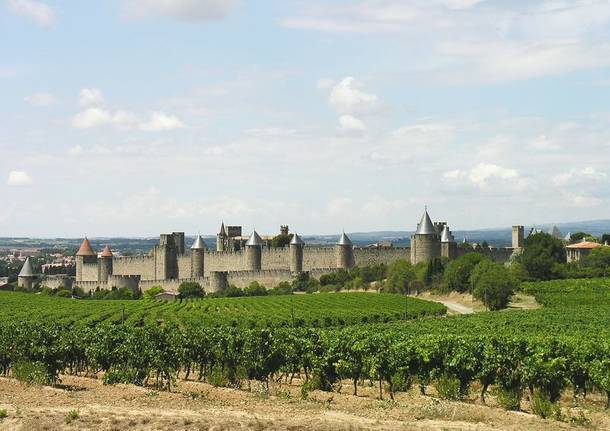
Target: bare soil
199, 406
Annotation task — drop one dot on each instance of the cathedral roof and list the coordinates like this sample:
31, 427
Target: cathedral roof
447, 236
199, 244
27, 270
425, 226
254, 240
296, 240
344, 240
85, 249
223, 231
555, 232
106, 252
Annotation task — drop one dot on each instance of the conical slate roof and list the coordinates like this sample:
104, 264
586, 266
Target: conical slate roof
27, 270
255, 240
447, 236
296, 240
344, 240
85, 249
223, 231
106, 252
425, 226
199, 244
555, 232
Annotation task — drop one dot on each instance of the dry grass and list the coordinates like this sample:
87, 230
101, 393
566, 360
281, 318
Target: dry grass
198, 406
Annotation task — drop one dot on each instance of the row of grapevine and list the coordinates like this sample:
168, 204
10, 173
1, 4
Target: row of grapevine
395, 359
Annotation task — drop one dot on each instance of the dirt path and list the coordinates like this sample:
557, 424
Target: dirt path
198, 406
457, 308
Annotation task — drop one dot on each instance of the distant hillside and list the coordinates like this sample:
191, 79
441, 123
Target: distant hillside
500, 237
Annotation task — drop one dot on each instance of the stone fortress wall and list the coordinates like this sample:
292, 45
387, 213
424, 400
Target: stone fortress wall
170, 263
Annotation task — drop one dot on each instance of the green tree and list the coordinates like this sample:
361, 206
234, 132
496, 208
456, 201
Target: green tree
458, 271
605, 238
579, 236
599, 259
541, 253
493, 284
400, 277
190, 289
255, 289
153, 291
281, 240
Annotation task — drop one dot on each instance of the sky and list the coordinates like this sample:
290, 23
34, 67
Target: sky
135, 117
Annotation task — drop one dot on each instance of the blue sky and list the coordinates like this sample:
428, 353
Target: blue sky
132, 117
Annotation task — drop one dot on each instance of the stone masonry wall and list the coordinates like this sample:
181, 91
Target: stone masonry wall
143, 266
223, 261
373, 256
90, 272
185, 267
319, 257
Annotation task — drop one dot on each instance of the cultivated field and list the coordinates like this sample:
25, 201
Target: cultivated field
430, 373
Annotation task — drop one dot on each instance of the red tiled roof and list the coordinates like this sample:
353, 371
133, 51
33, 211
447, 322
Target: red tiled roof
107, 252
585, 244
85, 249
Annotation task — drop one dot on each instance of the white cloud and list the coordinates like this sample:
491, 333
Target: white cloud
183, 10
347, 97
542, 142
160, 121
349, 123
36, 11
41, 99
18, 178
579, 200
483, 175
90, 97
579, 176
96, 117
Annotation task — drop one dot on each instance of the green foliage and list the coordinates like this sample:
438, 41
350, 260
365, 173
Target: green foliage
304, 283
369, 274
509, 398
284, 288
605, 238
3, 414
448, 387
64, 293
281, 240
152, 292
339, 278
434, 271
458, 272
579, 236
71, 416
31, 373
255, 289
493, 284
401, 276
190, 289
599, 259
542, 406
541, 253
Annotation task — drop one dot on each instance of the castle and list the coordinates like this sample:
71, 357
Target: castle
239, 260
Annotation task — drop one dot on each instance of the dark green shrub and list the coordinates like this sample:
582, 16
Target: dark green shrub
448, 387
31, 373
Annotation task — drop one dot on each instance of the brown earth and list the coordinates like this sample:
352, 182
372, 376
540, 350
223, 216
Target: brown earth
199, 406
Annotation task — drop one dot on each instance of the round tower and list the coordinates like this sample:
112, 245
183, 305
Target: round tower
345, 252
221, 238
198, 250
218, 281
425, 242
254, 252
105, 265
26, 276
85, 255
448, 244
296, 253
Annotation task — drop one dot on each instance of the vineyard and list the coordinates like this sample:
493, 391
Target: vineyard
320, 310
544, 352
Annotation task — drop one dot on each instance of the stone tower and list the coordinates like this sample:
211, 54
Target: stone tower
26, 277
296, 253
425, 242
221, 238
284, 230
518, 235
197, 257
85, 255
254, 251
105, 265
179, 242
448, 244
345, 252
166, 257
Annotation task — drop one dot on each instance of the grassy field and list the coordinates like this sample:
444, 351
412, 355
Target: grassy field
318, 310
